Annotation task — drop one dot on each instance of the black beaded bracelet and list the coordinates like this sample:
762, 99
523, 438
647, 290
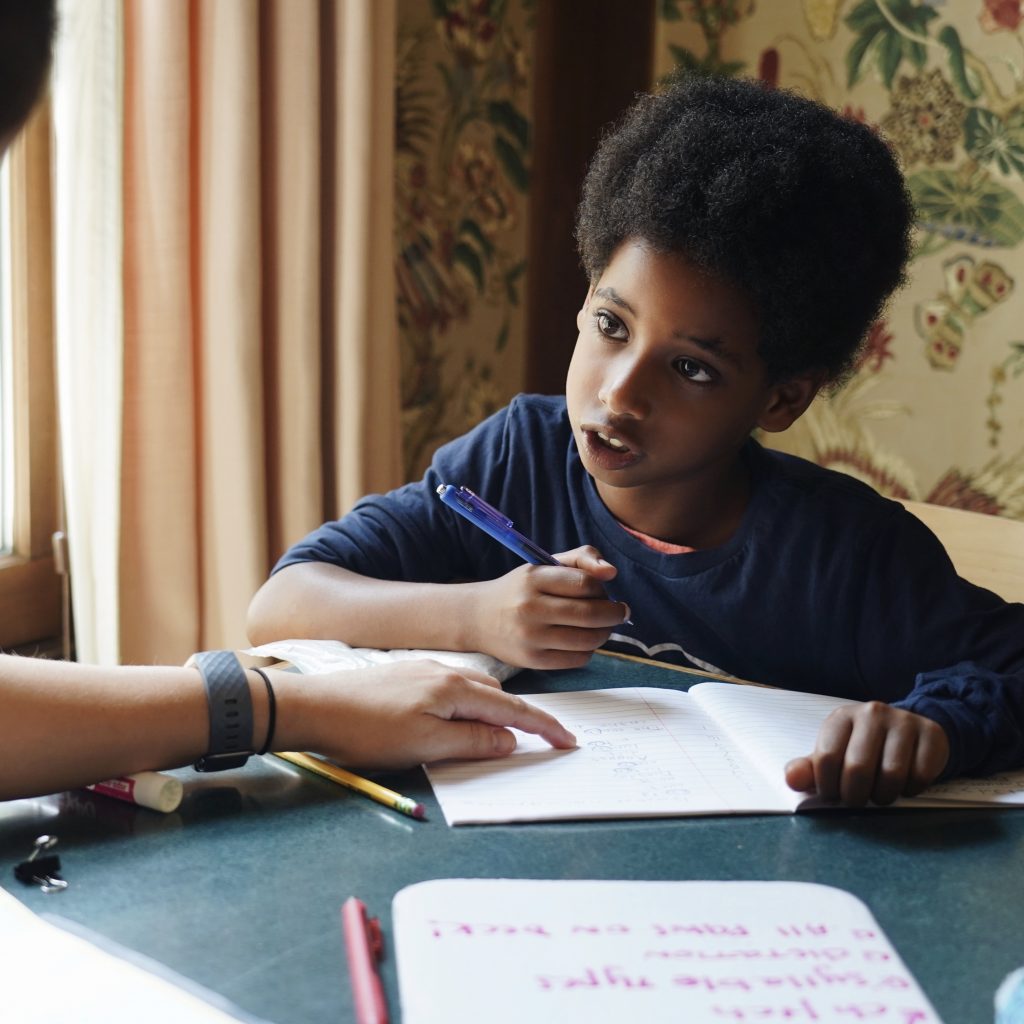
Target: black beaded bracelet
271, 711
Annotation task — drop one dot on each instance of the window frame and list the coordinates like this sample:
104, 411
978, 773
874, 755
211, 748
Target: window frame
31, 602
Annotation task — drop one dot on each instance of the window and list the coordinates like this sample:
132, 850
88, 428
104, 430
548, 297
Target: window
6, 398
30, 590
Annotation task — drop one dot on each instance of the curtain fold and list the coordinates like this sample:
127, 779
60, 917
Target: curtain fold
89, 309
368, 373
228, 329
159, 555
259, 342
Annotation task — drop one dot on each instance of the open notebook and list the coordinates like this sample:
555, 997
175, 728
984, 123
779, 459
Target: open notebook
718, 748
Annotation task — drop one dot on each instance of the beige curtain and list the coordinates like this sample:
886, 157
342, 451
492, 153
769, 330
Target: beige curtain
260, 354
87, 165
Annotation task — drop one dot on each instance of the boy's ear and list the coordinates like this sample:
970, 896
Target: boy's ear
788, 400
582, 314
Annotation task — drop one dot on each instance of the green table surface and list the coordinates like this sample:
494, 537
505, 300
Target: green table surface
240, 890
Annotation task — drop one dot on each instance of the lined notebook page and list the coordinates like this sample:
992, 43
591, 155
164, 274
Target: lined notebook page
774, 726
642, 752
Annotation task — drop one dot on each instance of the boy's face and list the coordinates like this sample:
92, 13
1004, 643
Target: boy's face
666, 384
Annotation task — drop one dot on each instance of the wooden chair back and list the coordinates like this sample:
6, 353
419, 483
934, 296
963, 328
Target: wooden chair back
987, 550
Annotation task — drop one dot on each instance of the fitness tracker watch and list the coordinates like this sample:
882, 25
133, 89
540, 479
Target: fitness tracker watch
227, 691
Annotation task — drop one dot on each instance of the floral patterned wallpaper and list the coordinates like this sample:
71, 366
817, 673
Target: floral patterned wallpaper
936, 410
462, 177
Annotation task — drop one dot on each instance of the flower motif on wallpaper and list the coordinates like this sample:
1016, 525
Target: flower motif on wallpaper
1000, 15
821, 17
875, 352
972, 289
467, 29
925, 120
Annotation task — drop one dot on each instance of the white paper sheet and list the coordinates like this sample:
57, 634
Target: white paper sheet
508, 951
52, 976
313, 656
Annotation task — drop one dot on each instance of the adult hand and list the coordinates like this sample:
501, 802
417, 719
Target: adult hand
871, 752
402, 714
548, 616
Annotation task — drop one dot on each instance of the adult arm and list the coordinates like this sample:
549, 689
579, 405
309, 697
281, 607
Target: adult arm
65, 725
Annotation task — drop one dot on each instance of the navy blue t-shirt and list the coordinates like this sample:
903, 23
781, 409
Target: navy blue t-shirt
826, 586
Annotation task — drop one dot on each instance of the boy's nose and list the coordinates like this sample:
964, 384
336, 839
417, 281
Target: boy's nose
624, 392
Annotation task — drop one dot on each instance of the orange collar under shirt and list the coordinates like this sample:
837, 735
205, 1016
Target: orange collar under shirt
663, 546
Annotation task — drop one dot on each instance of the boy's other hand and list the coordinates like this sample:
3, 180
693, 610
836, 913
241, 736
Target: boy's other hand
548, 616
871, 752
403, 714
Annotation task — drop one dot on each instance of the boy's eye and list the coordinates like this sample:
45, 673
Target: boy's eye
692, 370
609, 325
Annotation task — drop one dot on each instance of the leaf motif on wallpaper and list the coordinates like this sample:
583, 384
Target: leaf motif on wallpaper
966, 204
833, 434
997, 488
1011, 368
886, 38
713, 19
972, 289
990, 138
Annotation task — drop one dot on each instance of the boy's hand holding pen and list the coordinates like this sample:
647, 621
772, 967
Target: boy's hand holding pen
552, 613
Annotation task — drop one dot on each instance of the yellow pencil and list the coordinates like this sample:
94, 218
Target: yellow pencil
381, 794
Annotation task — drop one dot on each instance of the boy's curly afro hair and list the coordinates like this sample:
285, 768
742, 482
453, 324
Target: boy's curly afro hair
26, 36
803, 210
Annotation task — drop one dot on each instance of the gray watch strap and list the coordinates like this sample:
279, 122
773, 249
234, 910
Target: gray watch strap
227, 691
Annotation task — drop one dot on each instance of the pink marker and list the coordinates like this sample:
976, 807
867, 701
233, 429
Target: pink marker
147, 789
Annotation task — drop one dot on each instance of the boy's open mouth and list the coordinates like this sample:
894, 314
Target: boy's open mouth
612, 442
608, 450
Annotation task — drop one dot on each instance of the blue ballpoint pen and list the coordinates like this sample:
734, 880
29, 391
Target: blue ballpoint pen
472, 507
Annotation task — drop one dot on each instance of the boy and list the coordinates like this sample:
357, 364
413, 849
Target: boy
739, 242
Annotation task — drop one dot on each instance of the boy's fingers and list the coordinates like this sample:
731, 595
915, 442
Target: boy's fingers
590, 560
930, 758
829, 751
863, 756
897, 762
561, 605
800, 775
575, 638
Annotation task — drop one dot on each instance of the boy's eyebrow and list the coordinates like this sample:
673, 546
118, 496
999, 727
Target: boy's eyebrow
713, 345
